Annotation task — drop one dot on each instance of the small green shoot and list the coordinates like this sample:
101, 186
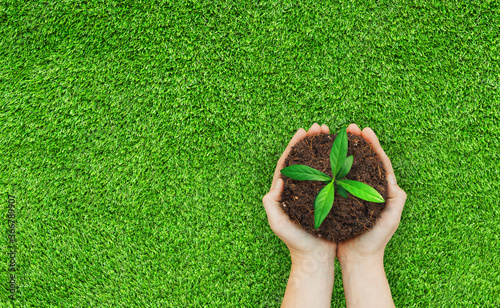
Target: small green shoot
341, 165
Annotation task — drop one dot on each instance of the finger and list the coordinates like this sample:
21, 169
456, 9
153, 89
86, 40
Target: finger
394, 209
272, 198
396, 194
354, 129
314, 130
325, 129
275, 214
299, 135
279, 221
371, 138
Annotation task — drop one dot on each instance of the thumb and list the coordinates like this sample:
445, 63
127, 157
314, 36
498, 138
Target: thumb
397, 197
395, 192
277, 188
275, 214
274, 194
391, 178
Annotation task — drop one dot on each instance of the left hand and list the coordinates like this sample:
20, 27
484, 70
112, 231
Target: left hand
302, 245
371, 245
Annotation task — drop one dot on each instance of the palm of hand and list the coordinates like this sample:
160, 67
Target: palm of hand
373, 242
368, 244
298, 241
302, 243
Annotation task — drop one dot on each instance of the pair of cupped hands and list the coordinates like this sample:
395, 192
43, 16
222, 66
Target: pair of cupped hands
303, 245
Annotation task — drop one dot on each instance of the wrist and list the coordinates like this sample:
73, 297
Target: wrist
362, 264
310, 283
365, 282
322, 255
319, 264
354, 259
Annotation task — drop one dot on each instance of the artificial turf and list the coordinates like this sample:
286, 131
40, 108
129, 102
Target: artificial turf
139, 137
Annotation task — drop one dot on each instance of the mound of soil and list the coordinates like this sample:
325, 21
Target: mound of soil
349, 217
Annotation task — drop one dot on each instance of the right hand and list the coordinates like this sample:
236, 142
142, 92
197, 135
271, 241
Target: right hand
301, 244
371, 245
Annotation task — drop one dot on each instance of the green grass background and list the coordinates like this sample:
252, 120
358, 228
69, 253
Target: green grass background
139, 138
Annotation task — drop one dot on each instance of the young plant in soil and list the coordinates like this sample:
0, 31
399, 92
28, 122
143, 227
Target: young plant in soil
341, 165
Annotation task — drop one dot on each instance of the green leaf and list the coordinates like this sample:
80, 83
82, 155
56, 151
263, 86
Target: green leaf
341, 190
338, 151
304, 173
361, 190
323, 204
346, 167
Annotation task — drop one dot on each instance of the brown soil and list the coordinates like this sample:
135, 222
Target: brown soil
349, 217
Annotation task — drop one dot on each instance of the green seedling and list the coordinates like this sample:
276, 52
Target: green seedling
341, 165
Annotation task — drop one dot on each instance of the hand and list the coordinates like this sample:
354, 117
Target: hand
301, 244
371, 245
310, 283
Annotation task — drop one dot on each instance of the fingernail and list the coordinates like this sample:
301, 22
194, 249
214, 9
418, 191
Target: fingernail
279, 182
391, 179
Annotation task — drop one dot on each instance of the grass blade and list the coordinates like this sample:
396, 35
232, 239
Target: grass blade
304, 173
323, 204
338, 151
361, 190
346, 167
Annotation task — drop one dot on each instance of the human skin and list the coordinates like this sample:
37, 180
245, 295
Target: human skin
310, 283
362, 258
